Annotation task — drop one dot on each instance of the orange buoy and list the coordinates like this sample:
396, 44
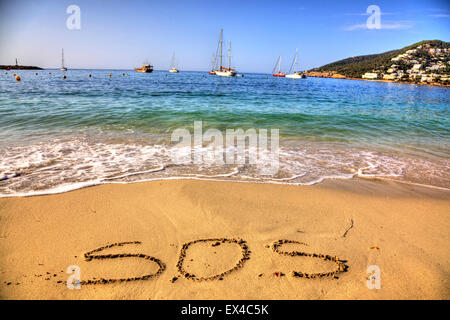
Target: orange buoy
110, 75
49, 73
14, 74
17, 78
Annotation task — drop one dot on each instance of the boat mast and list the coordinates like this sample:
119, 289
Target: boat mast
172, 63
221, 41
279, 65
294, 63
216, 57
229, 57
296, 57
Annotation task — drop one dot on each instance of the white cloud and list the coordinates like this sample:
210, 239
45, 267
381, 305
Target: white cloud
355, 27
384, 26
440, 15
381, 13
437, 9
366, 14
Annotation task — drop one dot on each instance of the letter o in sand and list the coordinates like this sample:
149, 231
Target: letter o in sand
216, 241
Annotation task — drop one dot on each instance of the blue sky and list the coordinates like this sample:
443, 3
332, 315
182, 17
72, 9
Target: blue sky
122, 34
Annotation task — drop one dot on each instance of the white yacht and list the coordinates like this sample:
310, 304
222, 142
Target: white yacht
173, 69
62, 62
295, 74
223, 71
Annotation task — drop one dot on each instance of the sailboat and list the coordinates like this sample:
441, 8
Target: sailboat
296, 74
223, 71
62, 62
172, 65
279, 73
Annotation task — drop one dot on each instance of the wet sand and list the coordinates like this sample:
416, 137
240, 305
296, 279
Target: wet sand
226, 240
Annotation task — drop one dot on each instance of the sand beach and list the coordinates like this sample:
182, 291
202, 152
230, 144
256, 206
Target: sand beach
401, 228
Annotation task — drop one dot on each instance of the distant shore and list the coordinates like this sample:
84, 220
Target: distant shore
361, 222
340, 76
14, 67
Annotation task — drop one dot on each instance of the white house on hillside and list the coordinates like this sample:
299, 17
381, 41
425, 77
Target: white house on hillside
370, 75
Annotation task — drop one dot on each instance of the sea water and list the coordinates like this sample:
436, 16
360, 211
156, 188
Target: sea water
61, 134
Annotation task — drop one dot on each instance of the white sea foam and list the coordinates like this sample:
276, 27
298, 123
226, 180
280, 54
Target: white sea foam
64, 165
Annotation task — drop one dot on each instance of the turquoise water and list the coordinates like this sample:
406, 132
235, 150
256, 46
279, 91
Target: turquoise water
59, 134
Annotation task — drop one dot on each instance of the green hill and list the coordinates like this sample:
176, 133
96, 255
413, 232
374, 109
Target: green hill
355, 67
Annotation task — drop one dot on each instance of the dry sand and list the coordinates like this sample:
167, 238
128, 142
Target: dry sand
402, 229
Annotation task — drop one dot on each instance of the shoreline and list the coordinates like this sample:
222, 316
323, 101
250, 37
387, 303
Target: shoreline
107, 181
364, 222
341, 77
